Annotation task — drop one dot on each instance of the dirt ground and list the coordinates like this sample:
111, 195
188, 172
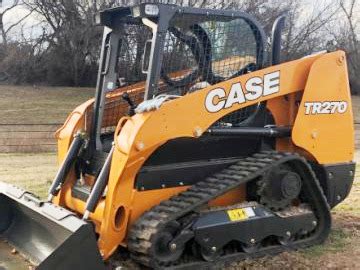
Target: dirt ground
12, 262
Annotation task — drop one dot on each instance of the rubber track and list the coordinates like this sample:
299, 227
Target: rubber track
245, 170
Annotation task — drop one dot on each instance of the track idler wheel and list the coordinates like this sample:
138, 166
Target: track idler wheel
163, 251
287, 240
279, 187
209, 255
250, 248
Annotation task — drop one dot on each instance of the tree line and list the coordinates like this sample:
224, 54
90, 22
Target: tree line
64, 48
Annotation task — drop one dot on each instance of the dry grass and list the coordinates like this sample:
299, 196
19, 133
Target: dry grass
33, 172
351, 205
39, 105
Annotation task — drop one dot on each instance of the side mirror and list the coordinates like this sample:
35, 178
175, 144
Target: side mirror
146, 57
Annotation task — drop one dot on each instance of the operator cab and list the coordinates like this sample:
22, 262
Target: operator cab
155, 49
158, 52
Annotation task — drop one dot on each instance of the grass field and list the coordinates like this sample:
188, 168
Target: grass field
39, 105
33, 172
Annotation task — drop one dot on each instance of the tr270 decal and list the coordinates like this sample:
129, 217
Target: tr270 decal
325, 107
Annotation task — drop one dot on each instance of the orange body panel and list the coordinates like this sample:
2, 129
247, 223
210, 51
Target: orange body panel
329, 137
318, 77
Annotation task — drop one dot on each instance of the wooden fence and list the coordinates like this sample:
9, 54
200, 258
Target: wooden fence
28, 138
40, 138
357, 136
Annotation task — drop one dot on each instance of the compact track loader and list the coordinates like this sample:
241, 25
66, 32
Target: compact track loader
200, 148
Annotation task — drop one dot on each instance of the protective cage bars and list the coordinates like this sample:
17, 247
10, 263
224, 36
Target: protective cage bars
196, 45
189, 49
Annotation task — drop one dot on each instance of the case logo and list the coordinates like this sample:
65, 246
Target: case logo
255, 88
325, 107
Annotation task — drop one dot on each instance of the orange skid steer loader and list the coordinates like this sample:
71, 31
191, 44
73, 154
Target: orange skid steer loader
199, 148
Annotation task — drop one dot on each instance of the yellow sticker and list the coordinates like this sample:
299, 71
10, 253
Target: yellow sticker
237, 214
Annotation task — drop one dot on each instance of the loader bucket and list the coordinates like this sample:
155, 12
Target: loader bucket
48, 236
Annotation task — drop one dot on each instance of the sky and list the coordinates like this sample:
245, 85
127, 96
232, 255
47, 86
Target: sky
30, 24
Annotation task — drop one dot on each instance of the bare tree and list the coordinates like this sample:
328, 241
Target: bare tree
305, 34
67, 48
350, 41
5, 29
71, 37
